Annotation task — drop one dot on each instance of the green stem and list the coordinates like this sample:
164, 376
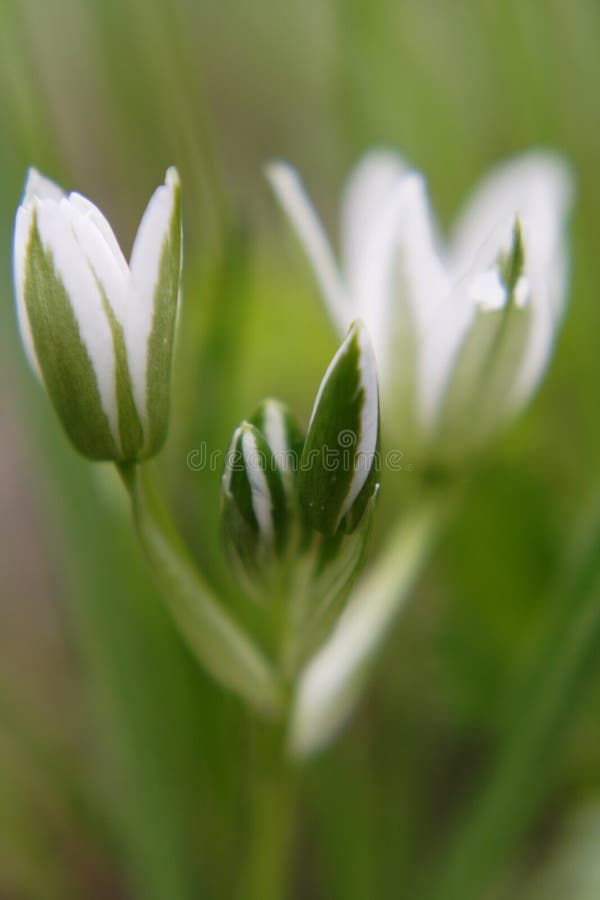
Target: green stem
547, 701
219, 643
266, 874
331, 684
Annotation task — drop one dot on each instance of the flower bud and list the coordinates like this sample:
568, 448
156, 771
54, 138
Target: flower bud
97, 331
285, 440
257, 495
296, 522
339, 466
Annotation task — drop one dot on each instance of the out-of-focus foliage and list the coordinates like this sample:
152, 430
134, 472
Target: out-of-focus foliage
124, 772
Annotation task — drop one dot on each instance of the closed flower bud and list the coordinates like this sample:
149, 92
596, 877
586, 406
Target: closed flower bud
285, 441
256, 501
99, 332
296, 517
339, 466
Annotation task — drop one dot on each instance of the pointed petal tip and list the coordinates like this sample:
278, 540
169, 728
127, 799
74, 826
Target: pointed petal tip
284, 179
37, 186
172, 178
278, 168
360, 330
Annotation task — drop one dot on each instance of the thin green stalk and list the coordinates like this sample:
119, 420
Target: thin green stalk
269, 834
220, 644
545, 705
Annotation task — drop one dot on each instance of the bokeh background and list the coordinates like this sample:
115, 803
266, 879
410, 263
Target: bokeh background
124, 772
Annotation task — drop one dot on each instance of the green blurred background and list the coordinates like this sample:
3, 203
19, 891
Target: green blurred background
124, 772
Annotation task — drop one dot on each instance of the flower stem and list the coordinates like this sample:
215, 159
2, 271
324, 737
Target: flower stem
266, 873
219, 643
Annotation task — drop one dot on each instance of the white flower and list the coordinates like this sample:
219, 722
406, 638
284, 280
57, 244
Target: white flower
99, 332
462, 332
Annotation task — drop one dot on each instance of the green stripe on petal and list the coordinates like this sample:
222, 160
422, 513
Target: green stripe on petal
130, 429
478, 394
161, 338
64, 361
338, 468
255, 512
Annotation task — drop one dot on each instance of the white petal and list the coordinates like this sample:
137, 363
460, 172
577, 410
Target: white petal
438, 351
40, 187
487, 289
91, 211
231, 461
56, 233
274, 429
259, 487
369, 425
23, 227
290, 192
366, 192
397, 259
537, 186
275, 432
522, 291
145, 262
480, 285
99, 246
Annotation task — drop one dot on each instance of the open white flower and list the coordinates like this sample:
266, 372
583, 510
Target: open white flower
99, 332
462, 332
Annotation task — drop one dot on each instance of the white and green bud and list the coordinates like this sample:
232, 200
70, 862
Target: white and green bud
99, 332
340, 461
297, 515
285, 441
258, 495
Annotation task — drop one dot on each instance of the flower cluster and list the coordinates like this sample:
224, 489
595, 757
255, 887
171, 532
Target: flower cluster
460, 335
296, 533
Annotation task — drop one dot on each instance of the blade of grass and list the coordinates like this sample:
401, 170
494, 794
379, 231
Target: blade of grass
544, 707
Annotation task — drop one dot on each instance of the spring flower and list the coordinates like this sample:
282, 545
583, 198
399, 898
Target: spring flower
462, 332
97, 331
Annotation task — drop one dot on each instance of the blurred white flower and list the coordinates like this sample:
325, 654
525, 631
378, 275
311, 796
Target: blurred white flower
99, 332
462, 332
